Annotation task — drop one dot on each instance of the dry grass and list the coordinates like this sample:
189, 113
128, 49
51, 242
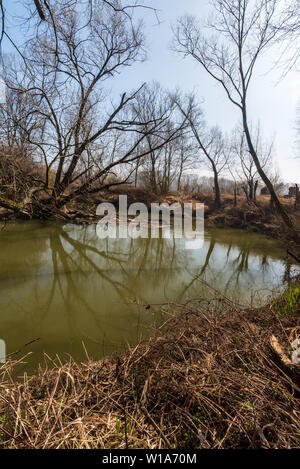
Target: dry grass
203, 381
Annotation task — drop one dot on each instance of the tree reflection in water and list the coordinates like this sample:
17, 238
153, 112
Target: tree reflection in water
64, 285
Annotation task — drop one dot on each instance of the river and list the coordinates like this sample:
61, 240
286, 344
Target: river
72, 293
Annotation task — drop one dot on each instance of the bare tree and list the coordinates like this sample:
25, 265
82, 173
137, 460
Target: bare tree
287, 26
19, 170
186, 158
246, 171
158, 170
276, 180
243, 30
210, 141
38, 10
64, 78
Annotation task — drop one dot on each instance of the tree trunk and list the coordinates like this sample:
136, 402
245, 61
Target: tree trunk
297, 196
255, 190
44, 209
246, 193
275, 201
235, 195
250, 184
14, 206
180, 176
217, 203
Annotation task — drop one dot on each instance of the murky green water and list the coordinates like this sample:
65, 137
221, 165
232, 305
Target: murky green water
62, 285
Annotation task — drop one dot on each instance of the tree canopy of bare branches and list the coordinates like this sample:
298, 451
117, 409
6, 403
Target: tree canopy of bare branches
210, 141
246, 173
83, 133
288, 29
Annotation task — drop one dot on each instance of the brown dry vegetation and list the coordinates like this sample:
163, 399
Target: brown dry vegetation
203, 381
258, 216
17, 173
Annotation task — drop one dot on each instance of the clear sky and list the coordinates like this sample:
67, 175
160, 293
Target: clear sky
273, 99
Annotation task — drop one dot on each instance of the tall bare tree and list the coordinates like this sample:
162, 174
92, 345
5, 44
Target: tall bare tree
210, 142
242, 30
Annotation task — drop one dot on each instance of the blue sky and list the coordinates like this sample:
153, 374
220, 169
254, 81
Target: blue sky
273, 100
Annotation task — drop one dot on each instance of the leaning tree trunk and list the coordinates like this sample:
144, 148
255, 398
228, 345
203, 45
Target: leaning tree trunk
276, 202
14, 206
38, 209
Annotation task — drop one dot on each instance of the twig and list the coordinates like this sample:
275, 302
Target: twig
145, 411
294, 257
20, 440
22, 348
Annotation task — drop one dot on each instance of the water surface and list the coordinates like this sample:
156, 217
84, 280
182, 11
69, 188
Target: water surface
64, 286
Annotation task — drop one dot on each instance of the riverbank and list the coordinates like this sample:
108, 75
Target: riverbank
256, 216
204, 380
259, 216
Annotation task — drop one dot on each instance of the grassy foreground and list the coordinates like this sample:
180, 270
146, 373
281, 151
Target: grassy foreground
204, 380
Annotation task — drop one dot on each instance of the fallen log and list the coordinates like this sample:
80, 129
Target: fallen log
14, 206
